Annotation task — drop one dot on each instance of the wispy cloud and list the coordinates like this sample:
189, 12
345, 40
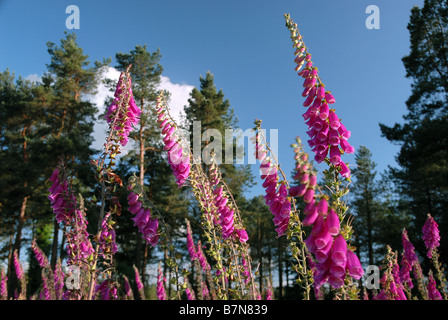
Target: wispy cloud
34, 77
180, 93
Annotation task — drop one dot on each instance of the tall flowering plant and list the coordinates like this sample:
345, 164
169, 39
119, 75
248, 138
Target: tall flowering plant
431, 238
328, 136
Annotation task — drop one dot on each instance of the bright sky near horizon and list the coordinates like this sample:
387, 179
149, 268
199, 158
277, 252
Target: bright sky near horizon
247, 47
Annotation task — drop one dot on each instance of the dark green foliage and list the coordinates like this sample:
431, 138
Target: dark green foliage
422, 173
214, 112
377, 221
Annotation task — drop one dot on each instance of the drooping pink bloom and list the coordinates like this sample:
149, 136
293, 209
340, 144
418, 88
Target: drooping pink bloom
268, 293
146, 224
202, 259
345, 171
45, 289
128, 294
330, 132
226, 218
339, 252
205, 291
106, 241
161, 294
353, 265
63, 202
242, 235
178, 158
3, 285
138, 280
433, 293
333, 223
107, 290
409, 258
310, 217
40, 256
190, 242
309, 195
322, 206
190, 294
329, 97
336, 282
123, 114
322, 254
275, 198
18, 266
246, 272
58, 280
323, 238
431, 235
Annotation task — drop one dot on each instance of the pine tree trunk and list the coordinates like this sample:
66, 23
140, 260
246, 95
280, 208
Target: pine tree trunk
280, 270
16, 246
369, 228
260, 254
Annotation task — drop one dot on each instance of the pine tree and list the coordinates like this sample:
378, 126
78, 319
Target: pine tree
20, 159
422, 175
69, 116
377, 221
212, 111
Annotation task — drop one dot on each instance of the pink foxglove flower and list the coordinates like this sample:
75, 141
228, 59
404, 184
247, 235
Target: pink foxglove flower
433, 293
3, 285
107, 290
40, 256
123, 114
190, 243
161, 294
339, 252
190, 294
107, 244
202, 259
354, 266
333, 133
58, 280
61, 199
18, 267
178, 158
276, 198
242, 235
333, 223
409, 258
63, 202
146, 224
431, 235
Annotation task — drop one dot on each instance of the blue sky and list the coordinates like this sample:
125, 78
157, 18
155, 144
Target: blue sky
246, 45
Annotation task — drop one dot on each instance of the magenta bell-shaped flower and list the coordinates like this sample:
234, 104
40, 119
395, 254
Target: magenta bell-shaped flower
339, 252
353, 265
333, 223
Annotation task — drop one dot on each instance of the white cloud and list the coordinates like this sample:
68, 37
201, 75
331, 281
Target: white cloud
34, 77
180, 93
103, 92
